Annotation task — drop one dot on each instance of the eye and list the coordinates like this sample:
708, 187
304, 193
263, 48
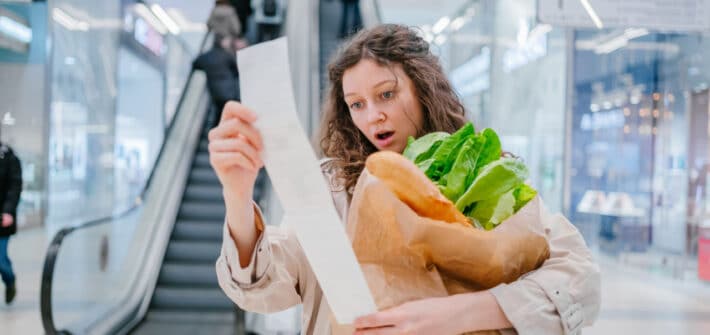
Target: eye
356, 105
388, 95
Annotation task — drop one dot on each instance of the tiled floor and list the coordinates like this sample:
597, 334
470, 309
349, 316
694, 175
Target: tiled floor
636, 302
633, 302
26, 251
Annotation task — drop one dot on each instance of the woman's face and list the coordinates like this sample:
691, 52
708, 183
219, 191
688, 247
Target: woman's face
383, 104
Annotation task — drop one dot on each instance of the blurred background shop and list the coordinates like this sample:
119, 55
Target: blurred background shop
611, 115
606, 101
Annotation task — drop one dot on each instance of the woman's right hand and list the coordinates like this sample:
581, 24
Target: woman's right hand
235, 155
235, 150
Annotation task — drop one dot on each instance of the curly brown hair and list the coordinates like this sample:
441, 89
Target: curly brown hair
388, 45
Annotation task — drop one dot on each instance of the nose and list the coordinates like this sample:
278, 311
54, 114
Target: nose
375, 114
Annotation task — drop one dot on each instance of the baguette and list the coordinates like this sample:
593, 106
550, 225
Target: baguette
413, 187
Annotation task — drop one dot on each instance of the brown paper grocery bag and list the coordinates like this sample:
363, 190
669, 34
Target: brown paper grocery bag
406, 257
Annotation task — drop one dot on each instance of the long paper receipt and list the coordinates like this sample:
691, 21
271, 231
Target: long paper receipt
265, 82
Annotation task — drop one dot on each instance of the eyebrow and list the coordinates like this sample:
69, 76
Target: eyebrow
376, 85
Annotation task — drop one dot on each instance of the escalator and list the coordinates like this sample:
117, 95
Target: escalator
187, 298
150, 269
160, 277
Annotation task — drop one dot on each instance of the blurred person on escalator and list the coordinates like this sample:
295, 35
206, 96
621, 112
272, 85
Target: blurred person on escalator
269, 17
244, 11
351, 8
10, 189
220, 67
224, 20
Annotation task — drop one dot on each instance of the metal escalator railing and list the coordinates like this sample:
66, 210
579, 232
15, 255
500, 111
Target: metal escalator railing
100, 225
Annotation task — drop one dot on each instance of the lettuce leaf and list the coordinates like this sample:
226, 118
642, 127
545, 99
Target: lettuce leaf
495, 179
462, 171
423, 147
523, 194
444, 156
491, 212
491, 150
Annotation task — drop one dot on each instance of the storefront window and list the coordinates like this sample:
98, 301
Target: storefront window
510, 73
139, 124
639, 138
612, 123
82, 109
115, 83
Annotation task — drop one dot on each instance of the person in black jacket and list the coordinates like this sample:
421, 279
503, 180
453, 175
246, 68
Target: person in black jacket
347, 26
220, 67
243, 8
10, 189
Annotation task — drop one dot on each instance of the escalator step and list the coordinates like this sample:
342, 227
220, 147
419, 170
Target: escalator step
208, 222
204, 176
204, 145
185, 328
201, 211
158, 315
202, 160
188, 275
212, 193
196, 299
198, 231
193, 252
182, 328
204, 192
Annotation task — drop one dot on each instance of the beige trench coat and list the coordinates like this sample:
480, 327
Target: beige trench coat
558, 298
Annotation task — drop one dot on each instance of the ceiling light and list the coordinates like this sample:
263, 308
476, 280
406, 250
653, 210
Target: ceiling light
68, 21
592, 13
184, 24
149, 17
457, 23
165, 19
15, 29
612, 45
440, 25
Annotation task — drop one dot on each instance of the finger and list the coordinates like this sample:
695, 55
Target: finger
390, 330
233, 109
237, 145
380, 319
227, 159
234, 128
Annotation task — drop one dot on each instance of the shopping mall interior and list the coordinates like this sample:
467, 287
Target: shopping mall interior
121, 216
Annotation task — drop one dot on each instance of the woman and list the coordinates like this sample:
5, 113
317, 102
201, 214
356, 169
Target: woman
385, 86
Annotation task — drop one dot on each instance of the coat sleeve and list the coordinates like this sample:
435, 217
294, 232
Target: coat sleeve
278, 270
14, 185
270, 283
560, 297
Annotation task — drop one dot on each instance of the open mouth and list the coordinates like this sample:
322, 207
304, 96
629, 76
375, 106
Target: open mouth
384, 135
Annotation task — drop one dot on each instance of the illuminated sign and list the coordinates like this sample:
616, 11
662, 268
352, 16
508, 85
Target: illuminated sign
148, 37
603, 120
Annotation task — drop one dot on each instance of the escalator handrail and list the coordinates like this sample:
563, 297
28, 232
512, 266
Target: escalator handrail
53, 248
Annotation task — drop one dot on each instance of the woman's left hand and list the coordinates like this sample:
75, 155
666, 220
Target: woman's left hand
426, 316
